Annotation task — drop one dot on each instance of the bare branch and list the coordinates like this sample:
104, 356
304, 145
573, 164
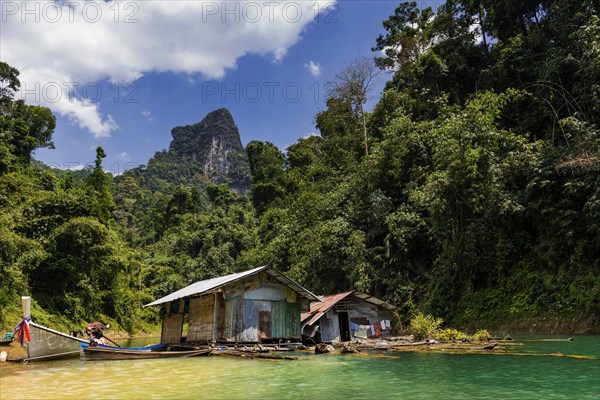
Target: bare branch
353, 85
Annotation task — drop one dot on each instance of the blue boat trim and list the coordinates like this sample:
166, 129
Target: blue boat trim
154, 347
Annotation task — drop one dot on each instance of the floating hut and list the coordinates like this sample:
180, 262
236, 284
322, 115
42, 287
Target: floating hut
346, 316
261, 305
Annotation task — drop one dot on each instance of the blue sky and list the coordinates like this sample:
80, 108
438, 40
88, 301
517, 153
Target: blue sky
144, 93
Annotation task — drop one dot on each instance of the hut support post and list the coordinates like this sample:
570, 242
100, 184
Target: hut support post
214, 326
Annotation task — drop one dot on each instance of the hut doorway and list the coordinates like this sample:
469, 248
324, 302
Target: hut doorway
344, 326
264, 324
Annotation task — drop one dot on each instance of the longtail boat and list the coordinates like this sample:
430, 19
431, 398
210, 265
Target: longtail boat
44, 343
47, 344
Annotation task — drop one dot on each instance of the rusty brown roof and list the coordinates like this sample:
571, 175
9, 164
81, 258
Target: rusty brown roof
317, 310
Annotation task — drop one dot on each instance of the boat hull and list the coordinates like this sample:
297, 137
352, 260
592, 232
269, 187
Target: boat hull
47, 344
154, 347
99, 353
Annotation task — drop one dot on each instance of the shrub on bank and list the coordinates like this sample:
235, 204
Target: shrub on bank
452, 334
481, 334
425, 326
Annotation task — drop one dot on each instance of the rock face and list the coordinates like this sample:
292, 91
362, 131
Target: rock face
208, 151
214, 143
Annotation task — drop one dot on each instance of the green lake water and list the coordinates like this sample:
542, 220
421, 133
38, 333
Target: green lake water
387, 375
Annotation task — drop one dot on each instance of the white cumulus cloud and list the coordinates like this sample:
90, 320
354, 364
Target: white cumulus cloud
72, 166
148, 115
122, 156
314, 68
65, 42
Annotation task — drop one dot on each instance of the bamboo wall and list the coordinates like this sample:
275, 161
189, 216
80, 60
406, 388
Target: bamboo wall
200, 327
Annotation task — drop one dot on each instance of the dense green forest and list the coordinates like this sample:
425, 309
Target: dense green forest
470, 190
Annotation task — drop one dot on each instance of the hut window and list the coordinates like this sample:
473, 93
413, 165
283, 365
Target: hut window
174, 307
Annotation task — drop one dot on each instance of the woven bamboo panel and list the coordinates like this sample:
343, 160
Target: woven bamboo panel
201, 319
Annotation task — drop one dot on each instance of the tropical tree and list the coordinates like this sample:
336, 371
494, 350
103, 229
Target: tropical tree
103, 202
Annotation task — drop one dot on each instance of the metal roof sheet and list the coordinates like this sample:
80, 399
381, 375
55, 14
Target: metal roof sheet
317, 310
374, 300
215, 283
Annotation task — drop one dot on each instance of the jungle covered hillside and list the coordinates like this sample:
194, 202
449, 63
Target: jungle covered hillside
470, 190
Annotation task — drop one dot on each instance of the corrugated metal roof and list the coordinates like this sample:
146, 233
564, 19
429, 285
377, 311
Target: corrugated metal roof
215, 283
374, 300
317, 310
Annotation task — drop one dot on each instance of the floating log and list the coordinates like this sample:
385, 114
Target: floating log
510, 344
99, 353
546, 340
348, 348
411, 344
497, 353
249, 354
490, 346
185, 347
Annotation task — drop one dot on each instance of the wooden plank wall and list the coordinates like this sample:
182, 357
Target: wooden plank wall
200, 328
251, 310
256, 308
264, 318
293, 320
279, 319
220, 323
234, 319
285, 320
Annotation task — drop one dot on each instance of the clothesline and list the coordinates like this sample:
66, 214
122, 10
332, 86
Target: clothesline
364, 331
